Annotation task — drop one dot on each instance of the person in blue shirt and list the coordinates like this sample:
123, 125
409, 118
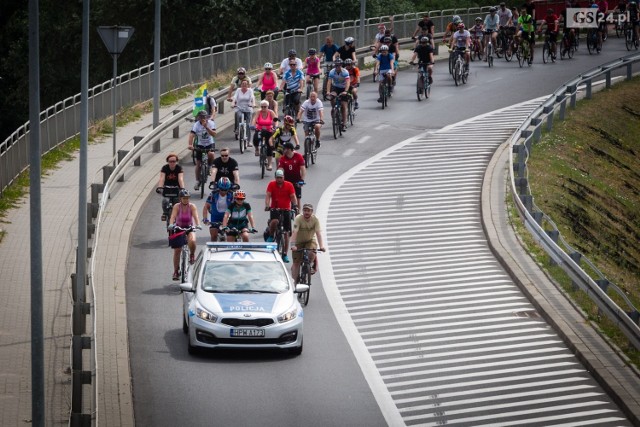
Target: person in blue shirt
216, 205
338, 87
385, 66
294, 81
329, 49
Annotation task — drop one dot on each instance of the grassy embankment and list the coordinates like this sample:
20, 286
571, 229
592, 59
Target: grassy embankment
585, 175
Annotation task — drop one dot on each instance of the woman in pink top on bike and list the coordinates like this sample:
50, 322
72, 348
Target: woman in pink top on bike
268, 81
312, 69
184, 214
263, 123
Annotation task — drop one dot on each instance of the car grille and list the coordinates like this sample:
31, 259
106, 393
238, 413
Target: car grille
230, 321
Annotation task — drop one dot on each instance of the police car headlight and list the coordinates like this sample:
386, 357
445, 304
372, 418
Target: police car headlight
205, 315
288, 315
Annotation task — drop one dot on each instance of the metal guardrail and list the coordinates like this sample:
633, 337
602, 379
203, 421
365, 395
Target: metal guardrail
61, 121
550, 239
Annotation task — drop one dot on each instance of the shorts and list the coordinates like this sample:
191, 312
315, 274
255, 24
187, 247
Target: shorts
314, 76
297, 256
198, 149
275, 214
337, 90
308, 126
553, 35
531, 36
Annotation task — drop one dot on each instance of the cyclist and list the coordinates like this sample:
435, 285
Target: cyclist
284, 133
553, 22
477, 32
425, 26
216, 206
225, 167
307, 234
268, 81
462, 41
263, 125
312, 68
294, 81
184, 214
285, 65
202, 133
530, 7
505, 23
451, 28
329, 49
338, 88
377, 40
634, 17
235, 82
491, 23
238, 216
311, 113
292, 163
171, 175
385, 66
243, 103
424, 52
603, 7
354, 81
568, 33
280, 194
273, 104
211, 106
347, 51
526, 30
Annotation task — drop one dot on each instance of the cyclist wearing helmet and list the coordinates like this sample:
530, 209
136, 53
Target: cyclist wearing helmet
312, 68
235, 82
462, 41
263, 125
202, 134
285, 65
268, 81
239, 216
216, 206
385, 65
311, 113
477, 32
425, 28
184, 214
451, 28
634, 17
285, 133
424, 52
553, 26
491, 24
338, 87
348, 50
244, 101
526, 30
354, 80
172, 177
225, 166
280, 195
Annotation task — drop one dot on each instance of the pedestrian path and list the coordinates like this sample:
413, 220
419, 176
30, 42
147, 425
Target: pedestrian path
447, 335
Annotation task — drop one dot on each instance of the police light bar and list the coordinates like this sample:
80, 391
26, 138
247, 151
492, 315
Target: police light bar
220, 246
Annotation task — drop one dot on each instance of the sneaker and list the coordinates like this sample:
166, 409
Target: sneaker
379, 99
197, 186
176, 275
285, 258
317, 144
192, 259
356, 106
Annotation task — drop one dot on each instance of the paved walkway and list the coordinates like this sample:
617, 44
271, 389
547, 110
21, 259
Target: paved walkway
59, 226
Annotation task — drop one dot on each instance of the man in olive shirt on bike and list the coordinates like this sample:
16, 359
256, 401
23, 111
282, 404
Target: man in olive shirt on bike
307, 234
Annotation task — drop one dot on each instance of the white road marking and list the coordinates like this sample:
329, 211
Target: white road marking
363, 139
348, 152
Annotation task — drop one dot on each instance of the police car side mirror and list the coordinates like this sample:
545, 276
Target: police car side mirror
301, 288
186, 287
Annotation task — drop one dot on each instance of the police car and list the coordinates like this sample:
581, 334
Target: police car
239, 295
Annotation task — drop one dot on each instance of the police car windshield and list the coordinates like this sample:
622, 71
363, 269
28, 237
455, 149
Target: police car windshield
244, 277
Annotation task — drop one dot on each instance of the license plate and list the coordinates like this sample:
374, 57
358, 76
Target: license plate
247, 333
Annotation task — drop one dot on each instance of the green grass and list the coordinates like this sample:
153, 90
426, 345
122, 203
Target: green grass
585, 175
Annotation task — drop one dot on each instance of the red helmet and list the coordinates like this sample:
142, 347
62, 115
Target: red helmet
239, 194
288, 120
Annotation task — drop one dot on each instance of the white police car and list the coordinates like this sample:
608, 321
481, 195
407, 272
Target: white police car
239, 295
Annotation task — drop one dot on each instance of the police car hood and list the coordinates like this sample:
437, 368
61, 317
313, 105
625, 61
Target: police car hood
243, 303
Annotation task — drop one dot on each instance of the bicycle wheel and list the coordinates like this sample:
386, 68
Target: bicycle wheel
204, 175
427, 90
571, 51
385, 98
500, 46
457, 73
193, 157
546, 53
309, 89
304, 279
280, 243
508, 52
628, 39
334, 124
590, 44
184, 265
307, 152
520, 56
420, 89
465, 74
350, 113
241, 135
490, 54
263, 161
452, 63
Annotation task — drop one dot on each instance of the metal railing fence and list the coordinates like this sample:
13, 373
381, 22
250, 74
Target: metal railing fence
61, 121
543, 229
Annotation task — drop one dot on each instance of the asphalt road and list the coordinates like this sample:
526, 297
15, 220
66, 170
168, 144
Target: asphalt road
323, 386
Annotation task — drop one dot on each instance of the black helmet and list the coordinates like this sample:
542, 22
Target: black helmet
184, 193
337, 62
201, 115
292, 52
312, 51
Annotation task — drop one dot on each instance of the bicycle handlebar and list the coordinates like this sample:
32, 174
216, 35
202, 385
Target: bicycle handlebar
187, 229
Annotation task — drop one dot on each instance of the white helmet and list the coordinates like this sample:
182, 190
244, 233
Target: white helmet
384, 47
268, 66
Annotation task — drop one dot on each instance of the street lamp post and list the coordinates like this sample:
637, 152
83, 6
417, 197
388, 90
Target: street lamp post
115, 39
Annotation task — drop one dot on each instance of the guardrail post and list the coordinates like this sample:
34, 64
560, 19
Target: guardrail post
221, 106
603, 284
574, 94
576, 257
106, 173
518, 168
522, 184
121, 154
563, 108
537, 216
136, 141
608, 79
96, 189
588, 82
527, 201
176, 130
554, 235
629, 70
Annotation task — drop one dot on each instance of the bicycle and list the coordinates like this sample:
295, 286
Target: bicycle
630, 36
289, 108
351, 114
310, 150
304, 277
205, 169
452, 61
280, 232
170, 198
384, 90
336, 117
524, 53
593, 42
243, 131
460, 69
423, 87
223, 232
490, 49
184, 252
568, 45
548, 50
327, 68
476, 48
262, 149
